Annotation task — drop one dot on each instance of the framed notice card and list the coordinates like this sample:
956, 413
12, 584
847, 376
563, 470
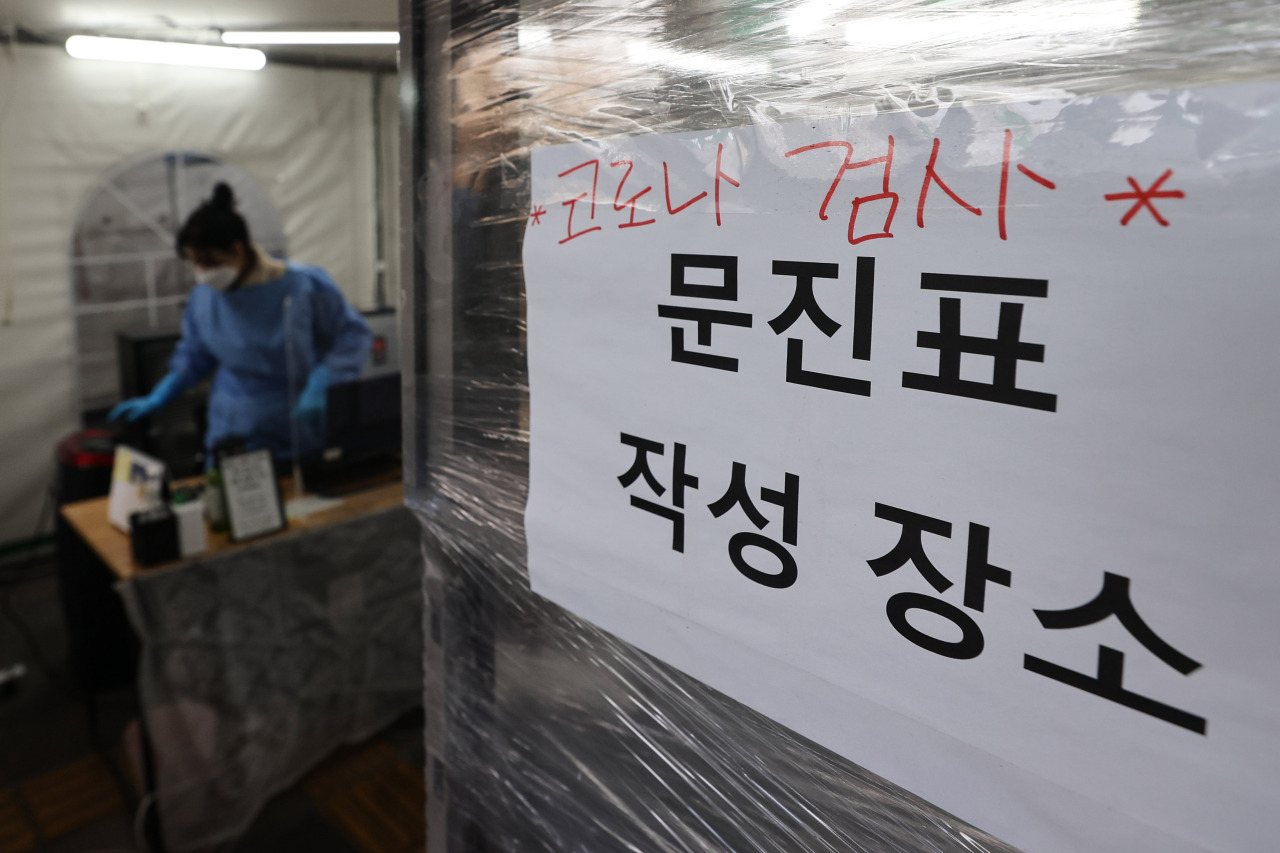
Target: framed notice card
254, 507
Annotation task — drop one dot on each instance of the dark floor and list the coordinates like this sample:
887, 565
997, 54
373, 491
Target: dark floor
60, 794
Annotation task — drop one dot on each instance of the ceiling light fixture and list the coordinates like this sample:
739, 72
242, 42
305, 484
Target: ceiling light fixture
166, 53
352, 37
1002, 33
647, 53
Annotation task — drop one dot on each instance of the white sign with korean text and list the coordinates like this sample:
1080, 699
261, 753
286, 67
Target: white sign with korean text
949, 441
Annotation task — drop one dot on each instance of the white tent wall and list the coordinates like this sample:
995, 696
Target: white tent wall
306, 135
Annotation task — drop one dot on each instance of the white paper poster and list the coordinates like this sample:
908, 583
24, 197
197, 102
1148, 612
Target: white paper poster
949, 441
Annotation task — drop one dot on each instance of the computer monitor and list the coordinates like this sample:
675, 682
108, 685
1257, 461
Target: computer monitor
362, 435
175, 434
363, 417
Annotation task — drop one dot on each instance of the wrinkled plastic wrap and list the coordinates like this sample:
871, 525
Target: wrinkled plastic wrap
546, 733
257, 663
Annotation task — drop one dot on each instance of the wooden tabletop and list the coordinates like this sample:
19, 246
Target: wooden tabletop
89, 519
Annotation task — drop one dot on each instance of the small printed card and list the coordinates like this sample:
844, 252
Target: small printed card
254, 507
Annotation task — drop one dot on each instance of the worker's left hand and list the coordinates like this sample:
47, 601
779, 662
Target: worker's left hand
311, 402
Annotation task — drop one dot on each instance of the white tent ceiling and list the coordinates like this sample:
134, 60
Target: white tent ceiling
200, 20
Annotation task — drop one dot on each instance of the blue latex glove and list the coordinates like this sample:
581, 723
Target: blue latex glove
311, 402
163, 394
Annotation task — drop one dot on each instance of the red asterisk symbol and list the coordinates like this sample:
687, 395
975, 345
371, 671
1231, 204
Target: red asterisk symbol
538, 213
1143, 198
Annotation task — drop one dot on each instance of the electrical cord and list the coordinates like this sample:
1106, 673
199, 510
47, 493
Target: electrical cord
25, 571
139, 835
45, 507
6, 282
36, 564
12, 573
32, 568
33, 645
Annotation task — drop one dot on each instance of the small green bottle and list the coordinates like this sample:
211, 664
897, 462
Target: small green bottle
215, 495
215, 502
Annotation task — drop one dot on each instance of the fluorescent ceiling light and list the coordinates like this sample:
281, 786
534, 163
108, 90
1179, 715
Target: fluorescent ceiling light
527, 35
165, 53
353, 37
646, 53
994, 31
810, 18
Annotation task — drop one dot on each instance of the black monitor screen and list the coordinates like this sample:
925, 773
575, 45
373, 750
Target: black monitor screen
364, 417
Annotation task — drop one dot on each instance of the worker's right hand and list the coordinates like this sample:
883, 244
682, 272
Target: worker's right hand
131, 410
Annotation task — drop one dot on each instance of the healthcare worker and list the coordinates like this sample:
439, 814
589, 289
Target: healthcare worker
268, 330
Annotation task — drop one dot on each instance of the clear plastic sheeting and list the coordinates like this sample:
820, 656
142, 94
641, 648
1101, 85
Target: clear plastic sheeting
546, 733
258, 662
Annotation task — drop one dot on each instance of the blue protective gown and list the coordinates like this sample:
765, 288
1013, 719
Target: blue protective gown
242, 334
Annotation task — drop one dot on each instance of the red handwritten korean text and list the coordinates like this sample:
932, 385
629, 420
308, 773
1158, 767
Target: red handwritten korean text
1004, 181
631, 202
720, 173
573, 202
848, 165
931, 177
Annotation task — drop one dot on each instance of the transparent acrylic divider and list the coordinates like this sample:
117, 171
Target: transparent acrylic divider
295, 392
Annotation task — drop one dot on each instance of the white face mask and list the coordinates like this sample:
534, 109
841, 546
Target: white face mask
219, 278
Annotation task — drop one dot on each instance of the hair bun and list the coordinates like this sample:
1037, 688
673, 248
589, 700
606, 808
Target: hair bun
223, 197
